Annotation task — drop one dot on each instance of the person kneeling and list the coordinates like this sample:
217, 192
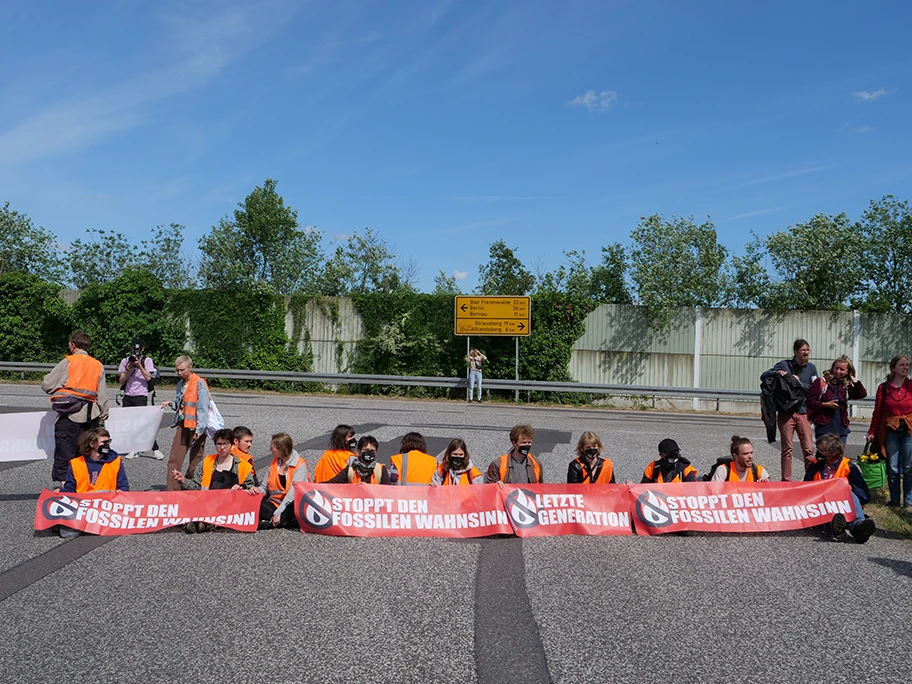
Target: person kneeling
835, 464
98, 469
287, 467
456, 467
364, 468
220, 470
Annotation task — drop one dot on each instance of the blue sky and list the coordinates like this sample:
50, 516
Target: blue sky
447, 125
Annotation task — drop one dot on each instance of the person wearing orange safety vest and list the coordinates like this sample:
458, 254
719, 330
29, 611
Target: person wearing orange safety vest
342, 448
191, 407
741, 466
80, 397
99, 469
589, 466
456, 467
671, 466
287, 468
412, 465
220, 470
518, 466
834, 464
364, 468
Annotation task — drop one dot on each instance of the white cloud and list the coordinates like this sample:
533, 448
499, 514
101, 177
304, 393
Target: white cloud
785, 175
864, 95
595, 102
757, 212
460, 275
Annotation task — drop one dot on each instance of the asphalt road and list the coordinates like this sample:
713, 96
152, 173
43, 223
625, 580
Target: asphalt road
280, 606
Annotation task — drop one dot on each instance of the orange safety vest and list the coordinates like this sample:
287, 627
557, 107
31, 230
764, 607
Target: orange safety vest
651, 468
191, 399
242, 455
841, 471
105, 482
504, 469
275, 492
604, 476
419, 467
465, 478
376, 475
83, 378
244, 469
733, 473
331, 463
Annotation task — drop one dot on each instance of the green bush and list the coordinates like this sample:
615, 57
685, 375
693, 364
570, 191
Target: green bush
34, 321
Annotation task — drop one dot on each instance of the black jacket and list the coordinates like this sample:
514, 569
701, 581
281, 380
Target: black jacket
779, 393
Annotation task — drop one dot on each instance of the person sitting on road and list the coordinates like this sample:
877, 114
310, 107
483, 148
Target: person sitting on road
670, 467
97, 469
243, 440
220, 470
835, 464
518, 466
412, 465
589, 467
456, 467
741, 467
287, 467
342, 447
364, 468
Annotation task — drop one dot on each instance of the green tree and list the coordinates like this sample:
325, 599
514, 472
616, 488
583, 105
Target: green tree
504, 274
677, 263
27, 248
163, 255
816, 265
364, 263
603, 283
262, 243
608, 283
751, 282
35, 324
887, 231
446, 285
100, 259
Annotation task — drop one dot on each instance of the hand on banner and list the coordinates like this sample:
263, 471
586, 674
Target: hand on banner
500, 484
177, 475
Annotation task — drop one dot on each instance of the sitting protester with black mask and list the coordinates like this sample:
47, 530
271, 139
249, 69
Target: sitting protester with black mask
456, 467
589, 467
671, 466
518, 466
364, 468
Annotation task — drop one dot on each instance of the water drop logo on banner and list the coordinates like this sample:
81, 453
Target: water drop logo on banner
652, 509
316, 510
522, 508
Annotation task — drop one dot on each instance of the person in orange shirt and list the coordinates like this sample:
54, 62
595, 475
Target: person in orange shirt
456, 467
287, 467
518, 466
342, 447
412, 465
589, 467
364, 468
670, 467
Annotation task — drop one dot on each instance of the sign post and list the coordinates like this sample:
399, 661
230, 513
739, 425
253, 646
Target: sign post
495, 315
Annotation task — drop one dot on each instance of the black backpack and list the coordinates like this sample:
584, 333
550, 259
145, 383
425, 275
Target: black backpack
727, 461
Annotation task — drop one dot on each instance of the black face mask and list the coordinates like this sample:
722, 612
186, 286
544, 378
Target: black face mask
524, 449
368, 456
104, 449
592, 452
457, 463
352, 444
672, 457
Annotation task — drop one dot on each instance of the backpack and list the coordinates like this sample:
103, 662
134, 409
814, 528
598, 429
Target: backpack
728, 461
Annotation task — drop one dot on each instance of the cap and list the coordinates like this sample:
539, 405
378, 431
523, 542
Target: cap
668, 446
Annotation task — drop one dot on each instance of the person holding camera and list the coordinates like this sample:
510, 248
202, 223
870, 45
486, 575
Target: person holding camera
137, 375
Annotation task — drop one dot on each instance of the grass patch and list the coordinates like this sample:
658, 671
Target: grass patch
895, 520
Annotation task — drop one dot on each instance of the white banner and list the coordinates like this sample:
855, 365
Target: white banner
30, 436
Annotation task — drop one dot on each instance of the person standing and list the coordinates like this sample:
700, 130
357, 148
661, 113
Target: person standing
80, 397
137, 373
475, 359
804, 372
891, 429
828, 399
191, 406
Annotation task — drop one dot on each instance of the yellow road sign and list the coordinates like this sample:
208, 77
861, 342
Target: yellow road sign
493, 315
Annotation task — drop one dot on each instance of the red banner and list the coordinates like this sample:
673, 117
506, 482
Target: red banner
551, 509
112, 513
382, 511
738, 506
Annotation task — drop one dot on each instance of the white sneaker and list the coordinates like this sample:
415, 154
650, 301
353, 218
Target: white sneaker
158, 455
132, 454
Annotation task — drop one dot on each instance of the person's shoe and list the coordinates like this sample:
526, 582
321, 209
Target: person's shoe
265, 525
190, 528
132, 454
836, 527
158, 455
204, 527
864, 530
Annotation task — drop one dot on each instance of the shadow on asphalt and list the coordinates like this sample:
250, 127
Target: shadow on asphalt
900, 567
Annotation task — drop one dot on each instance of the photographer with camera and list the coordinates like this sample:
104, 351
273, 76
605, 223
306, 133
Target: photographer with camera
137, 378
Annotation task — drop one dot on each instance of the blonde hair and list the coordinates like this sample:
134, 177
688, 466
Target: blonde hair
184, 361
585, 440
829, 374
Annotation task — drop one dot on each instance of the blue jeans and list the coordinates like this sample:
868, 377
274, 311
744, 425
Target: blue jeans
474, 379
899, 462
859, 512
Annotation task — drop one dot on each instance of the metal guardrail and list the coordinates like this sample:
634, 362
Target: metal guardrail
446, 383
